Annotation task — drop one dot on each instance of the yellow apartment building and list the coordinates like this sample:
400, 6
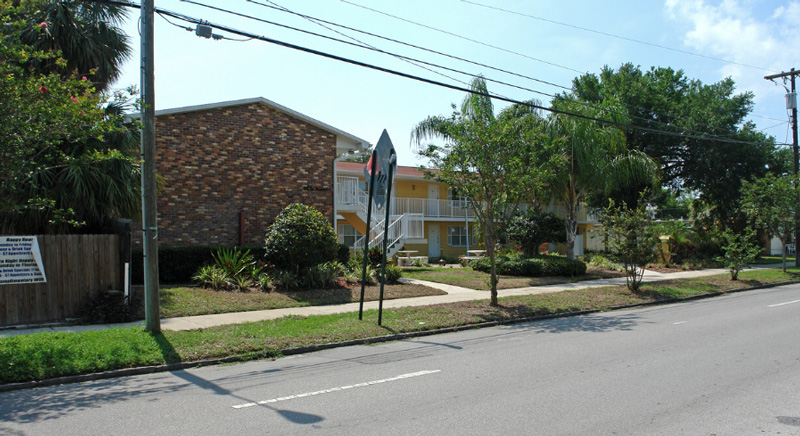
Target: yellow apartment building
426, 218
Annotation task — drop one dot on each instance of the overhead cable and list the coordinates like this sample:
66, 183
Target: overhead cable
598, 32
422, 79
463, 37
418, 61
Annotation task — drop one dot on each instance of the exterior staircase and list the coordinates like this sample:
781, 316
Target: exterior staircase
354, 213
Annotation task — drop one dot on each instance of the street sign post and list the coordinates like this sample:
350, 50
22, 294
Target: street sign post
379, 172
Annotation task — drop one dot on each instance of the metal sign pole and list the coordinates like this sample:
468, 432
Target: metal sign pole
371, 191
392, 161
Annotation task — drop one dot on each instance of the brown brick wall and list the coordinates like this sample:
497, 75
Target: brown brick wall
251, 158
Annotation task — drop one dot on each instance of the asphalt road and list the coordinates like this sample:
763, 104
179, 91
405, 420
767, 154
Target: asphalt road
722, 366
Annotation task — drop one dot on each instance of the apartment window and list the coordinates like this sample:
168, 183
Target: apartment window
457, 199
457, 236
348, 235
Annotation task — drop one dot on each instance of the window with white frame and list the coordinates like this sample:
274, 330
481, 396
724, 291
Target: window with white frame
457, 236
348, 235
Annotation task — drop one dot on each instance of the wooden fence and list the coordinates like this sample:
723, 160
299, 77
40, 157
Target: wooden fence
77, 268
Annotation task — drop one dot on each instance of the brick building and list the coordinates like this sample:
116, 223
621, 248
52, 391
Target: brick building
227, 169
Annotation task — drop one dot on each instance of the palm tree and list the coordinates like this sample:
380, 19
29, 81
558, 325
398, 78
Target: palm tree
86, 33
596, 156
484, 157
94, 180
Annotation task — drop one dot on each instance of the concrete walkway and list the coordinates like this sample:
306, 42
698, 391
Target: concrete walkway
454, 294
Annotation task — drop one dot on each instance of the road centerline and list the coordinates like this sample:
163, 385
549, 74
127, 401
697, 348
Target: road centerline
337, 389
784, 304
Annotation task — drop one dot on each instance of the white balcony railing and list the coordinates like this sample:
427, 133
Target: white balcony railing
432, 208
349, 195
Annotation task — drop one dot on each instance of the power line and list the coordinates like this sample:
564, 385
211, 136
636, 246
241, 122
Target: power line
598, 32
766, 117
422, 79
414, 61
359, 44
369, 47
413, 46
509, 51
772, 127
417, 64
462, 37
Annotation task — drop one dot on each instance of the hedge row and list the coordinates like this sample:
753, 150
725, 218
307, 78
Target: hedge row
537, 266
179, 264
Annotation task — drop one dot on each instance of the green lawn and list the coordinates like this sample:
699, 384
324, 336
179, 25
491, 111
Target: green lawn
768, 260
469, 278
47, 355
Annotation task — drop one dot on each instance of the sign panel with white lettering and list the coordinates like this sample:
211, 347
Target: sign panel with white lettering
20, 260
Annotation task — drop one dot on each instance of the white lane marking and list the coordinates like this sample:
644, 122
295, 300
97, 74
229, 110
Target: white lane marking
783, 304
337, 389
679, 322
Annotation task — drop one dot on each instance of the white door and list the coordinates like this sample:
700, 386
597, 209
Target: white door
433, 200
433, 241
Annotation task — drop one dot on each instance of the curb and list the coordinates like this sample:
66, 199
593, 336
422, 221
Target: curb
364, 341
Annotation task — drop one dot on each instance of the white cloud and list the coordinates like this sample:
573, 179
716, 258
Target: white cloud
729, 30
748, 32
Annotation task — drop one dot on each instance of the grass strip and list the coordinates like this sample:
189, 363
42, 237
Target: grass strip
48, 355
471, 279
769, 260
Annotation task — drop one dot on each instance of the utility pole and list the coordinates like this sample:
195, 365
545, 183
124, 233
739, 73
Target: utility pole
791, 103
148, 148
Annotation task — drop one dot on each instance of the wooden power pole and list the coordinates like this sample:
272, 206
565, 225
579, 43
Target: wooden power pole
148, 146
791, 103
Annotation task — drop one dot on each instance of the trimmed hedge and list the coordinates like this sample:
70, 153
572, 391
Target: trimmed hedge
536, 266
179, 264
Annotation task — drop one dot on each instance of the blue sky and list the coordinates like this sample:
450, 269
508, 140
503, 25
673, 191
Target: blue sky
191, 70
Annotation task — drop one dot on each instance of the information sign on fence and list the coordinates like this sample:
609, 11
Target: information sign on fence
20, 260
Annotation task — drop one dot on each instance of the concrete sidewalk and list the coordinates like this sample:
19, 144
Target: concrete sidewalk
454, 294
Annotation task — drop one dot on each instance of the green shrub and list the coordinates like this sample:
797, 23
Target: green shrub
632, 240
375, 256
235, 263
739, 250
354, 269
323, 275
532, 230
343, 256
242, 282
265, 282
601, 261
179, 264
371, 276
212, 276
418, 262
300, 238
287, 280
393, 273
351, 276
536, 266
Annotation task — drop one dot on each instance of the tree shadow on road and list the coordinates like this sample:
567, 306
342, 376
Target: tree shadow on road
595, 323
592, 323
